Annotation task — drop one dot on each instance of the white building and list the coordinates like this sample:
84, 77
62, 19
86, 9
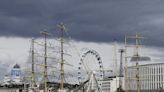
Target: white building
16, 74
151, 77
110, 84
15, 77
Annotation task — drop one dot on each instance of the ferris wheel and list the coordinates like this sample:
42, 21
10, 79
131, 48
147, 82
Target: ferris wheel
91, 69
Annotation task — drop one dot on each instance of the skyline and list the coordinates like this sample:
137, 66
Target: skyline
91, 24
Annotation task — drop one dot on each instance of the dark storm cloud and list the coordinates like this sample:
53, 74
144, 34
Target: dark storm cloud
87, 20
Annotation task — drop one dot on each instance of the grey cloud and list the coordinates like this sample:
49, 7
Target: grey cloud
94, 20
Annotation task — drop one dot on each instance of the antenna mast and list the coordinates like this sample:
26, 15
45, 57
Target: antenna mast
32, 66
121, 69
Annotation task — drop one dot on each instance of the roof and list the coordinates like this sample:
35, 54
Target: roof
140, 58
16, 66
147, 65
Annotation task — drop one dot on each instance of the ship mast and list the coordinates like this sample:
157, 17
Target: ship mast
126, 67
62, 28
45, 60
136, 55
137, 38
115, 60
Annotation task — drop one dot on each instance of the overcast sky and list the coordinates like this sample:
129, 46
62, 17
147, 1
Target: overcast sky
88, 22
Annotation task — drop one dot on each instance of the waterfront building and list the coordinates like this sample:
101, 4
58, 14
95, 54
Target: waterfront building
110, 82
14, 78
151, 77
16, 74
